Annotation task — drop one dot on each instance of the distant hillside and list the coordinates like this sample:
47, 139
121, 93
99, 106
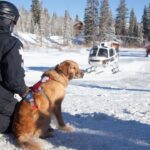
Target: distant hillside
31, 40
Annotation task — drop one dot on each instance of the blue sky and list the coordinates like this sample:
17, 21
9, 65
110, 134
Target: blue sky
77, 6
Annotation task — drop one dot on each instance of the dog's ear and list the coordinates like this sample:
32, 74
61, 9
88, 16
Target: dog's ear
72, 71
63, 68
57, 67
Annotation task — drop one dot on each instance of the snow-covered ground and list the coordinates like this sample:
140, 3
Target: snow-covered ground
108, 111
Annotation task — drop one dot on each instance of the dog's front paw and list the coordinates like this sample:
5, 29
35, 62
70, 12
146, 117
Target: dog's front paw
67, 128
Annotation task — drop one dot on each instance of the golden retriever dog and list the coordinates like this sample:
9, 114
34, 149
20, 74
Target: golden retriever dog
32, 121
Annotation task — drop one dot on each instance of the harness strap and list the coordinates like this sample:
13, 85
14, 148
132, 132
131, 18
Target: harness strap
37, 88
35, 105
44, 94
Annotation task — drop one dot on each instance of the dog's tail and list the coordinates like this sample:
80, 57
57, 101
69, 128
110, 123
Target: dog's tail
29, 143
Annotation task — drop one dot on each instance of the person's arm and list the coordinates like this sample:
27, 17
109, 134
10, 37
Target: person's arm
12, 69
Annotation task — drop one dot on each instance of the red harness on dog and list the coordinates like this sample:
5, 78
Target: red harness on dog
37, 88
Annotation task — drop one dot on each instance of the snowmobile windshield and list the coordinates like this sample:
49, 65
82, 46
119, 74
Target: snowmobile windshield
103, 52
93, 51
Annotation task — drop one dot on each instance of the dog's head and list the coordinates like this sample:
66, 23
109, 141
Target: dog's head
70, 69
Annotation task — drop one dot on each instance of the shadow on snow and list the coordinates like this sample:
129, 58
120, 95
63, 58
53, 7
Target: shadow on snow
111, 88
98, 131
36, 68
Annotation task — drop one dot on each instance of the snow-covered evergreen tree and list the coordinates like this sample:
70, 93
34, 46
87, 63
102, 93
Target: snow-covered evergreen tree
120, 22
36, 12
53, 24
106, 22
66, 28
45, 21
146, 22
91, 21
133, 26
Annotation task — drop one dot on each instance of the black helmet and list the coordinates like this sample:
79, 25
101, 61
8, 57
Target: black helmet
9, 11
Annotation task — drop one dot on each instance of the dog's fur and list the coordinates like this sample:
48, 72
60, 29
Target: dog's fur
30, 123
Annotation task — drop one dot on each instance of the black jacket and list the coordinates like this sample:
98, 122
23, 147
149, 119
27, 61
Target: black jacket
11, 72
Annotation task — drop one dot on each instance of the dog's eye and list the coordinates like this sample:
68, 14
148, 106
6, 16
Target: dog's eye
74, 68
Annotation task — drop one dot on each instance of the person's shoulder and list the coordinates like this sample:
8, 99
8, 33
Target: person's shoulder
16, 40
12, 43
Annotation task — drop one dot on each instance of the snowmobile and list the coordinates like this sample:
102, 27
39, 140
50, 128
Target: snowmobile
104, 55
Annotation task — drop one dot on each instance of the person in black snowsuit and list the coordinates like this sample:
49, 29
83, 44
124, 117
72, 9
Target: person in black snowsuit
11, 66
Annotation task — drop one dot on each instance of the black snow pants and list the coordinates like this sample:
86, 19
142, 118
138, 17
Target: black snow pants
7, 107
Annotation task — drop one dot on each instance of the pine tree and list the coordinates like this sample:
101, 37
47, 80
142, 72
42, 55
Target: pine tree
106, 24
45, 20
134, 30
133, 26
148, 14
53, 24
91, 21
146, 22
67, 29
36, 12
120, 22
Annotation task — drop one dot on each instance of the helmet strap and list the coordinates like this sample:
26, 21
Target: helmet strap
11, 27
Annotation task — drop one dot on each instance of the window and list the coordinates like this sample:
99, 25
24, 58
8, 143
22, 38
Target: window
111, 52
103, 52
93, 51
